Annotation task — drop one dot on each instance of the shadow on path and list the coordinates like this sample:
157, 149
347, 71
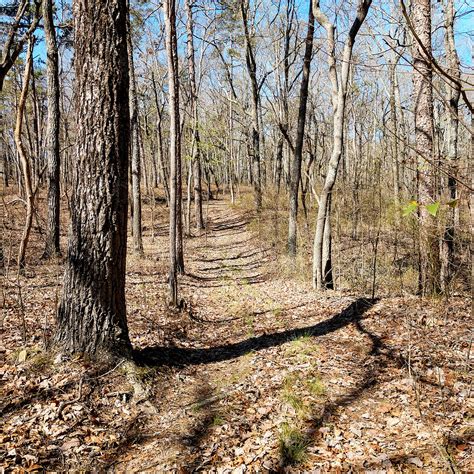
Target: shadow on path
379, 358
177, 356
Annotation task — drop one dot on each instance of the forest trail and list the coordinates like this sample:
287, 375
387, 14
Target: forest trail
349, 157
258, 373
266, 372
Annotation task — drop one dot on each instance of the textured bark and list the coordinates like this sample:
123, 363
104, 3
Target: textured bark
171, 50
194, 107
135, 158
298, 153
92, 313
255, 133
424, 135
52, 133
454, 93
23, 157
322, 261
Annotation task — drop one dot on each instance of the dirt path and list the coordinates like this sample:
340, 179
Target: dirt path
259, 373
266, 370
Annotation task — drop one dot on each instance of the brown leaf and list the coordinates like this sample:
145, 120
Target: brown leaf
72, 443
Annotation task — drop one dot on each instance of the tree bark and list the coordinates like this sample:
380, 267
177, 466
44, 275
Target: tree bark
454, 93
92, 312
424, 135
196, 158
135, 147
255, 133
52, 247
171, 50
298, 152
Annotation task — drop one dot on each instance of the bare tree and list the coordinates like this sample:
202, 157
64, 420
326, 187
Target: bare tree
52, 133
454, 93
23, 156
159, 132
252, 73
322, 262
92, 313
429, 282
135, 147
395, 138
196, 151
298, 151
175, 151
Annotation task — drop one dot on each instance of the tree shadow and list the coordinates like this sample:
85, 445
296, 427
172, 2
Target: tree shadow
379, 359
230, 247
228, 224
205, 412
243, 255
173, 356
222, 280
282, 311
133, 434
237, 267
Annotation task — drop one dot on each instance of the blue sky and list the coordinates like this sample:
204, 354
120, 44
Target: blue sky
464, 28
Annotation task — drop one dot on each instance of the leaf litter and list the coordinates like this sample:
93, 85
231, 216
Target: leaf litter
258, 373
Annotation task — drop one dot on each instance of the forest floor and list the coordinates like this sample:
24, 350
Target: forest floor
257, 373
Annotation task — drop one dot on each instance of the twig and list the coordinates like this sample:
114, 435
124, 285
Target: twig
111, 370
64, 404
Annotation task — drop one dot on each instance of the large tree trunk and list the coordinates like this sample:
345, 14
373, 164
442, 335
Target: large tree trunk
255, 135
298, 153
171, 50
92, 313
424, 133
52, 133
194, 107
322, 254
135, 147
447, 249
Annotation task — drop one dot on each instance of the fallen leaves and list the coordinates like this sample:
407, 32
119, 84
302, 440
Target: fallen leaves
357, 405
